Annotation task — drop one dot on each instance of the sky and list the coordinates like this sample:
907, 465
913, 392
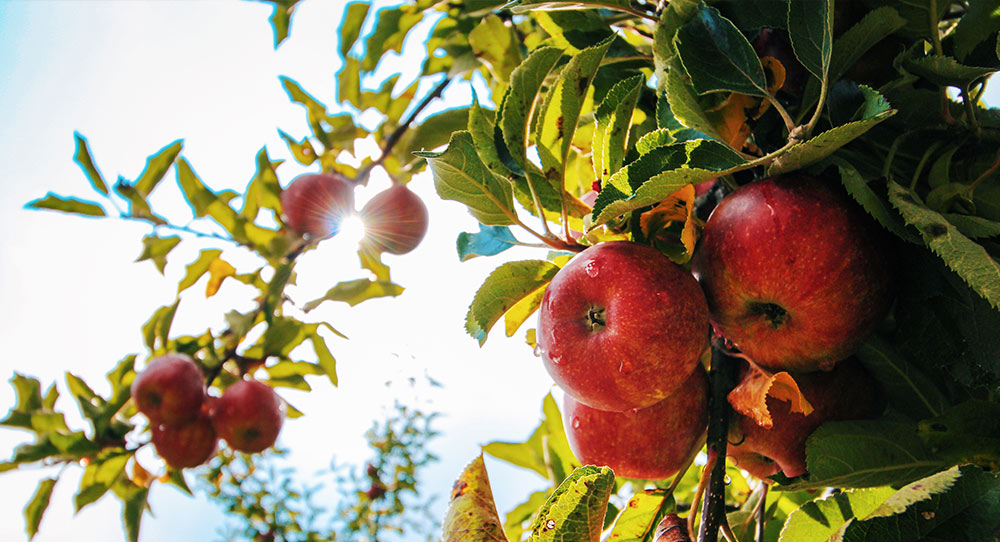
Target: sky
133, 76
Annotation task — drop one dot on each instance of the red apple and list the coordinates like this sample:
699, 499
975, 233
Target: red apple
395, 221
188, 445
650, 443
248, 416
621, 326
795, 273
169, 391
845, 393
316, 203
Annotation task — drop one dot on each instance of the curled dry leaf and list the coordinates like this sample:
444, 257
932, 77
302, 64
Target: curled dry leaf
472, 513
749, 397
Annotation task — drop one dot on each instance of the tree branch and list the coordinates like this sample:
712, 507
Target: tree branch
721, 379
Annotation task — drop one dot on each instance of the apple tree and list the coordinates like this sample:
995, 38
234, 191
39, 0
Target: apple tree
830, 165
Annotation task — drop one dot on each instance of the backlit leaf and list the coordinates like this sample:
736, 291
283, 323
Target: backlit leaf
67, 205
504, 288
817, 521
497, 45
83, 158
638, 521
218, 271
156, 248
472, 514
614, 117
576, 509
351, 24
749, 397
461, 176
197, 268
35, 509
356, 291
156, 167
525, 82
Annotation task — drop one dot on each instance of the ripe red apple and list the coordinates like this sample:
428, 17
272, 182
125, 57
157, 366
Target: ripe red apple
621, 326
169, 391
847, 392
395, 221
248, 416
650, 443
795, 273
187, 445
316, 203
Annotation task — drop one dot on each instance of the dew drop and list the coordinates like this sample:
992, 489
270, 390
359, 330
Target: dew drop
537, 351
592, 269
727, 480
551, 524
576, 423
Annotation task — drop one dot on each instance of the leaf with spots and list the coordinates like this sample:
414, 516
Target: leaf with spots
502, 290
962, 503
614, 117
749, 397
472, 513
965, 433
525, 82
818, 520
965, 257
576, 509
639, 520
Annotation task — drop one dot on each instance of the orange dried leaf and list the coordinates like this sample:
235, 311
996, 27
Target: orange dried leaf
749, 397
679, 206
140, 476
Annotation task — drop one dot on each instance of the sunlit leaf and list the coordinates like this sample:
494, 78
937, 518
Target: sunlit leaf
351, 24
472, 514
502, 290
35, 509
356, 291
84, 159
67, 205
156, 167
218, 271
576, 509
156, 248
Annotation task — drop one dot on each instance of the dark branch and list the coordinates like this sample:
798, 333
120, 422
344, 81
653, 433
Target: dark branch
713, 511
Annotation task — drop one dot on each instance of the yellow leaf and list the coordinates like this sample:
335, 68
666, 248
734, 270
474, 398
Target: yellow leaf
218, 271
140, 476
530, 339
749, 397
656, 224
522, 310
472, 513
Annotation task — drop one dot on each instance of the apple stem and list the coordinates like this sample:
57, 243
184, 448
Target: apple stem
721, 380
761, 507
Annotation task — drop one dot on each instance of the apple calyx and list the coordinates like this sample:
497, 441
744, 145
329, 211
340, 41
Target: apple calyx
595, 319
775, 314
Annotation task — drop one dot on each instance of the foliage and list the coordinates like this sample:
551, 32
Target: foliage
638, 100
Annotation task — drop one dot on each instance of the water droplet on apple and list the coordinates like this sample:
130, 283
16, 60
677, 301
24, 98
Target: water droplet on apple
555, 359
537, 351
592, 269
576, 423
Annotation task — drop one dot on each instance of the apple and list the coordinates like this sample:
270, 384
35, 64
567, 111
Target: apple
847, 392
169, 391
187, 445
248, 416
795, 273
621, 326
316, 203
395, 221
651, 443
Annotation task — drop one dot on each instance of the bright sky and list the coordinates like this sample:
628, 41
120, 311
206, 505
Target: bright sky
134, 76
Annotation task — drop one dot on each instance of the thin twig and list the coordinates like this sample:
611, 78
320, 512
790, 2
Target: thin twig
987, 173
759, 512
789, 123
700, 490
397, 134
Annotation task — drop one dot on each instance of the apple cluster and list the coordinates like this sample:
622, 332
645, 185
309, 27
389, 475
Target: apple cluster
789, 272
315, 204
187, 423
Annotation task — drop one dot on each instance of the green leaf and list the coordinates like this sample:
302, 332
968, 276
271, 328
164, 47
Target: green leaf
718, 57
281, 17
652, 140
684, 104
432, 132
503, 288
497, 45
810, 27
156, 248
472, 513
29, 393
966, 433
67, 205
351, 24
84, 159
872, 203
514, 521
966, 258
88, 402
637, 523
197, 268
138, 206
908, 389
921, 20
549, 436
560, 110
264, 191
973, 226
102, 472
391, 27
614, 117
156, 167
525, 82
490, 241
35, 509
134, 503
353, 292
817, 521
800, 155
303, 151
528, 6
756, 14
175, 477
324, 357
661, 172
158, 326
866, 453
486, 137
461, 176
576, 509
945, 70
349, 83
962, 503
